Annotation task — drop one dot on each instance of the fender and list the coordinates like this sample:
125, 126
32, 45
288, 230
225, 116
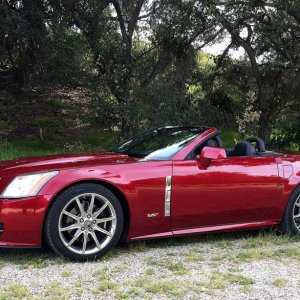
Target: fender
289, 180
142, 184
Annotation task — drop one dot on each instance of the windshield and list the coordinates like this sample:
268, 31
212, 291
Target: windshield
161, 143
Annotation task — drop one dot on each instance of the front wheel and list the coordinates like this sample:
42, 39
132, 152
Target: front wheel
84, 222
291, 219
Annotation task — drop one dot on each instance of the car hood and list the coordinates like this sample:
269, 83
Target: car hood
57, 162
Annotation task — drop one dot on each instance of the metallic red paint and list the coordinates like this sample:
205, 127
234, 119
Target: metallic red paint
209, 153
230, 194
23, 221
230, 190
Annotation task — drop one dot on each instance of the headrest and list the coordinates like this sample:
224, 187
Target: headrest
212, 143
244, 149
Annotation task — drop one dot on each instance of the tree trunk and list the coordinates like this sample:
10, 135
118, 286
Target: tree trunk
265, 129
126, 128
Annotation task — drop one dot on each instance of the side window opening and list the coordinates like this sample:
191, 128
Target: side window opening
215, 141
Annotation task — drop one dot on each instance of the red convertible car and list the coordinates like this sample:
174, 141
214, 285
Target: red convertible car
163, 182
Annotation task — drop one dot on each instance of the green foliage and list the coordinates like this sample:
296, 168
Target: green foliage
4, 125
142, 61
98, 141
54, 102
70, 58
45, 121
286, 135
24, 36
229, 136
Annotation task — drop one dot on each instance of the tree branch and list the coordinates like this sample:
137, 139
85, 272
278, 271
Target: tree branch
121, 21
134, 17
211, 38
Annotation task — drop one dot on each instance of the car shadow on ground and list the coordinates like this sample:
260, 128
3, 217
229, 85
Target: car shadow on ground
37, 258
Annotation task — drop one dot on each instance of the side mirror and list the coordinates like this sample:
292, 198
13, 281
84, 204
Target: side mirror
209, 153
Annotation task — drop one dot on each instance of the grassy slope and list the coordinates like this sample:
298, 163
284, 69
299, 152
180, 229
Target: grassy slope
18, 149
90, 143
33, 147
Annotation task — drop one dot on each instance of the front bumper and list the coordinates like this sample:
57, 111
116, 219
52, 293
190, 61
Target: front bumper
22, 221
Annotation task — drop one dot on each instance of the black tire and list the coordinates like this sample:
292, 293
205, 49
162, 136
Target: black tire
288, 224
56, 238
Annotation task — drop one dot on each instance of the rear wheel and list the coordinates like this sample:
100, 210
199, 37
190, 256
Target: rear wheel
291, 219
84, 222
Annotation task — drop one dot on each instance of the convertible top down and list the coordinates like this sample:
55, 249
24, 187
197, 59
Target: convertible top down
164, 182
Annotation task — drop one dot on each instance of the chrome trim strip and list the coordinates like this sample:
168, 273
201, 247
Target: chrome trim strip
168, 196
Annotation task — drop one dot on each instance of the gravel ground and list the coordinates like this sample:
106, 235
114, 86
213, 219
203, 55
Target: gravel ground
222, 266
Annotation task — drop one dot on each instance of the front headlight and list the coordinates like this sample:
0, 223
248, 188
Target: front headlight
27, 185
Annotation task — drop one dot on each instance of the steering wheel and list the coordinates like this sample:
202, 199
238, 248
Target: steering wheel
260, 144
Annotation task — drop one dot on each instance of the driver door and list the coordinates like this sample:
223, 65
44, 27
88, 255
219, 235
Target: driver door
229, 191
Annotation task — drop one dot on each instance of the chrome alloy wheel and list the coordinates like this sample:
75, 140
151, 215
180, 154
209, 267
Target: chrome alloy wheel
296, 213
87, 223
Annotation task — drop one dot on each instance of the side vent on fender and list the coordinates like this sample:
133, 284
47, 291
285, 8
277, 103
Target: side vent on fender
287, 171
168, 196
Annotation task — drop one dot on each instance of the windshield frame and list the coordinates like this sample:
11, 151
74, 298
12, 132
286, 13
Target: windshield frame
134, 141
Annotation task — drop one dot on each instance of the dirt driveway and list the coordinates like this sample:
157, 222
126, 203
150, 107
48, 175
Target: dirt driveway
248, 265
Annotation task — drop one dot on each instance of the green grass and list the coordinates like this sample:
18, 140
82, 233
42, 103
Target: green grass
214, 282
102, 274
194, 256
168, 288
280, 282
163, 287
258, 254
30, 258
97, 141
132, 292
56, 290
55, 103
25, 148
79, 288
66, 274
220, 281
270, 238
170, 253
106, 285
14, 291
177, 268
53, 144
137, 246
237, 279
149, 271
